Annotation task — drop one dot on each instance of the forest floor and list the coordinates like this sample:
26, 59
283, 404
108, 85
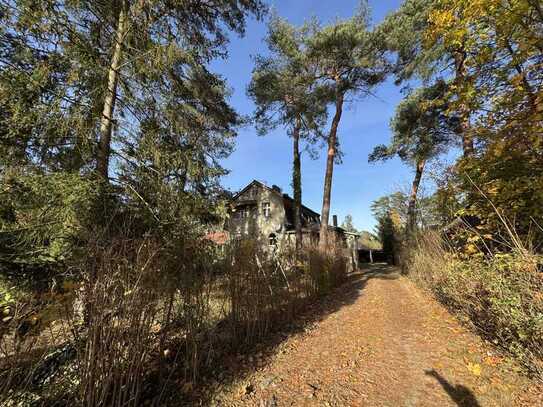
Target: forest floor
378, 340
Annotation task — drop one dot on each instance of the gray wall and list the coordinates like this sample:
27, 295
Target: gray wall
256, 225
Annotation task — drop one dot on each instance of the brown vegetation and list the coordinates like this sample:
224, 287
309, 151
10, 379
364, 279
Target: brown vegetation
499, 295
151, 325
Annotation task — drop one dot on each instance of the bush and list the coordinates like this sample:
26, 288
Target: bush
500, 293
267, 290
152, 315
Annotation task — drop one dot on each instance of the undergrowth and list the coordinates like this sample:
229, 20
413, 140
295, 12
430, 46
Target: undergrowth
146, 321
500, 294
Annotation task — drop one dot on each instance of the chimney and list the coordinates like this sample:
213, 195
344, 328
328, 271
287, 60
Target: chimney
334, 220
276, 188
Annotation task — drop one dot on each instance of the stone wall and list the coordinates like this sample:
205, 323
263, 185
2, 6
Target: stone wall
249, 219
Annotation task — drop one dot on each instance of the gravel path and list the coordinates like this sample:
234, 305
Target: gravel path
382, 342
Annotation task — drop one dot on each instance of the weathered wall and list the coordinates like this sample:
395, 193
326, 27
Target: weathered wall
256, 225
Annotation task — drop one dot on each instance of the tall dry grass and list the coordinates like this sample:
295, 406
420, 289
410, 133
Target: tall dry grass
151, 319
500, 294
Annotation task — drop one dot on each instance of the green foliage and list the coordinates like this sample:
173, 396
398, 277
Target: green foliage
395, 203
403, 32
369, 240
422, 128
489, 55
55, 62
350, 59
348, 56
44, 218
348, 224
284, 85
503, 185
286, 92
171, 121
391, 214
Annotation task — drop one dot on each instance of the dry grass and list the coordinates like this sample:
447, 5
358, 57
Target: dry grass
498, 293
149, 320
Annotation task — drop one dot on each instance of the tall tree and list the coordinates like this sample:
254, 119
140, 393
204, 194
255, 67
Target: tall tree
422, 129
192, 31
421, 55
84, 83
285, 90
504, 52
390, 211
171, 166
350, 60
348, 224
96, 65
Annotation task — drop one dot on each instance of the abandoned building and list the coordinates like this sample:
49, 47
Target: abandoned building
266, 214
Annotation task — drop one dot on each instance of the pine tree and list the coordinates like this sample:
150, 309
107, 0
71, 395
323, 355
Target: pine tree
351, 60
422, 129
406, 32
285, 90
115, 91
89, 70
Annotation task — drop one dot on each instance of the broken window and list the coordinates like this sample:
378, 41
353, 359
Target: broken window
240, 213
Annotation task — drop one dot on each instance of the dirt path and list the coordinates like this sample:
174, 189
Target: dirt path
386, 343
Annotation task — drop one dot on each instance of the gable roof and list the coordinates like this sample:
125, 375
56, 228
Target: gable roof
282, 195
253, 182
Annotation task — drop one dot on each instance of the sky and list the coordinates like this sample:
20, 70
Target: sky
364, 124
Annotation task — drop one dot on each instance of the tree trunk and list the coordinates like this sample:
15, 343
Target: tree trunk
411, 209
467, 139
332, 141
297, 185
106, 121
522, 72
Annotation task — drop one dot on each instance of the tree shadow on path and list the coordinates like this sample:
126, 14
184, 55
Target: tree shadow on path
461, 395
344, 295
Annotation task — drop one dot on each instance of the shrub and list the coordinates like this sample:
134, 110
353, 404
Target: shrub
44, 218
266, 290
500, 293
152, 315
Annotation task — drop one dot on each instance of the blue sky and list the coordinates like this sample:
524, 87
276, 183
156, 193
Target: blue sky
364, 124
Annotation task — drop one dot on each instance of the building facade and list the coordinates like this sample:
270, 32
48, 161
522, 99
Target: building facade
266, 214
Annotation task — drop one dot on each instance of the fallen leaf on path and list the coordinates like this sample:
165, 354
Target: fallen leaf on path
187, 387
474, 368
492, 360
